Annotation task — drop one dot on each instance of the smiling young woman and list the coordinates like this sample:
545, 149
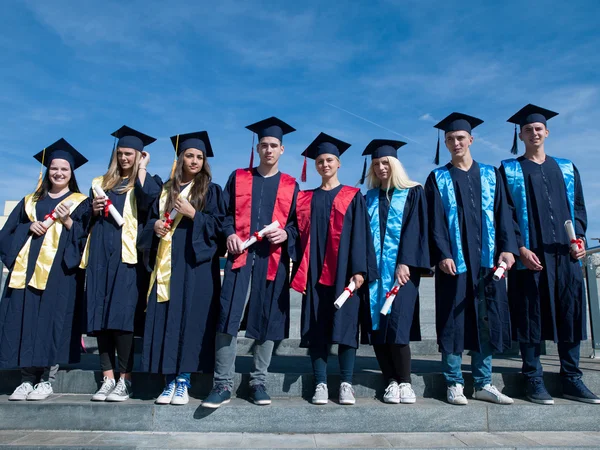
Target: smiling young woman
39, 317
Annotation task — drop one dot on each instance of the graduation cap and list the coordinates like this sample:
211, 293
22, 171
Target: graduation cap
198, 140
323, 144
455, 122
61, 149
378, 148
130, 138
271, 127
526, 115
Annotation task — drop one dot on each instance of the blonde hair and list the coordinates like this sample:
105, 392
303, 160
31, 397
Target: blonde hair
112, 178
398, 177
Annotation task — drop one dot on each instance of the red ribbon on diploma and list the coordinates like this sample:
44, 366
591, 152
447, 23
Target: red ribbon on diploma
50, 216
349, 291
258, 236
579, 243
394, 291
168, 220
106, 205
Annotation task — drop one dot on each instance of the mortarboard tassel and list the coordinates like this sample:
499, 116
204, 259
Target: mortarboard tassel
252, 153
39, 183
303, 175
175, 160
436, 161
364, 173
515, 148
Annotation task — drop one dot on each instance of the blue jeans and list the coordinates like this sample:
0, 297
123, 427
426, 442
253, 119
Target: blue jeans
568, 353
184, 376
346, 358
481, 362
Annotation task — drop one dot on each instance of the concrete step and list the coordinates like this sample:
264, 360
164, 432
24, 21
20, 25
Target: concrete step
15, 439
76, 412
291, 377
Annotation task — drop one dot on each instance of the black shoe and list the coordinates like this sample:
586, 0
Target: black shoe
537, 392
259, 395
218, 396
576, 390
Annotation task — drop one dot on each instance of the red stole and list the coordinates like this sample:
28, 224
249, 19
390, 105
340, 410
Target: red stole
243, 214
336, 222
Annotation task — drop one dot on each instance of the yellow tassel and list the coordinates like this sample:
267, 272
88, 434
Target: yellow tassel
39, 183
174, 161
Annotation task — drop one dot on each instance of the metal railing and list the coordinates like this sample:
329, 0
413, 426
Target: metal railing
593, 300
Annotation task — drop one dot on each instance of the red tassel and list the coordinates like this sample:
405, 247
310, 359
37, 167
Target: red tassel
303, 176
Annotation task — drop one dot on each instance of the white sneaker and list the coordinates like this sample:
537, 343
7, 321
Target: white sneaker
407, 395
22, 391
167, 394
121, 392
107, 387
41, 391
392, 393
346, 394
490, 393
181, 396
455, 395
321, 396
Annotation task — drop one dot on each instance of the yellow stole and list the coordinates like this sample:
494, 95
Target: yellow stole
48, 250
128, 232
161, 275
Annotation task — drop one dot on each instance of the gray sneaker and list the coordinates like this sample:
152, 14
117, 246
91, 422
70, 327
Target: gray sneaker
321, 396
107, 387
22, 391
346, 394
41, 391
121, 392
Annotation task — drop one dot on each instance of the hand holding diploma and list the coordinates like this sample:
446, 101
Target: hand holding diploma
499, 271
108, 206
258, 235
389, 299
58, 213
348, 292
577, 247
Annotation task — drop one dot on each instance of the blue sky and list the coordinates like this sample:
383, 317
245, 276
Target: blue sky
355, 69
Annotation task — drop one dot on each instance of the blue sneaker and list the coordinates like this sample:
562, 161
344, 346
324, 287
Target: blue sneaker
537, 392
181, 396
576, 390
259, 395
219, 395
167, 394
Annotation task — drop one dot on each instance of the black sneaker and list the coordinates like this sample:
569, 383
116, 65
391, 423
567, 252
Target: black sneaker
576, 390
259, 395
537, 392
218, 396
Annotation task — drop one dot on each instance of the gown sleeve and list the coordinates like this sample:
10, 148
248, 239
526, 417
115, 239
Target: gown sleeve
413, 250
506, 239
580, 211
146, 194
229, 199
513, 210
207, 225
147, 242
14, 234
362, 254
77, 235
291, 228
440, 247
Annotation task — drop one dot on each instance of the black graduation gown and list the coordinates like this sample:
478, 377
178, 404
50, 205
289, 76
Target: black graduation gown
457, 323
116, 291
267, 315
402, 324
179, 335
43, 328
549, 305
321, 323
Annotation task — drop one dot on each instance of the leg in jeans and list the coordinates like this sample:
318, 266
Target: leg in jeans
569, 360
184, 377
124, 344
384, 358
318, 357
451, 368
346, 358
49, 374
530, 354
481, 362
263, 351
226, 349
401, 360
106, 348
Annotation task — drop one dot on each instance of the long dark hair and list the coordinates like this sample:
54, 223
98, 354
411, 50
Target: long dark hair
44, 188
199, 190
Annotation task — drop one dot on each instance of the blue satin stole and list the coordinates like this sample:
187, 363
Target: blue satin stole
488, 231
516, 185
386, 259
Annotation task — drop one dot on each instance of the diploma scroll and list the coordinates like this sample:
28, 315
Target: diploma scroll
169, 219
389, 299
109, 208
258, 235
348, 292
499, 272
576, 244
51, 218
